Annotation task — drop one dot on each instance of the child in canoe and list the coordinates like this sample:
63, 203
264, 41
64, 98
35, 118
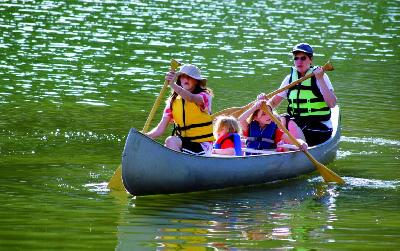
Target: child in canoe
262, 133
227, 133
189, 108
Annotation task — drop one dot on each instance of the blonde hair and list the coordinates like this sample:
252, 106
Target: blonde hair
229, 122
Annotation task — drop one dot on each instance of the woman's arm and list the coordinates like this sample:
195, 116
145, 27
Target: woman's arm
243, 118
185, 94
275, 101
287, 140
226, 151
159, 129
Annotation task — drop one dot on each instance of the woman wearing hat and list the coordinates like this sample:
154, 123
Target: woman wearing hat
309, 102
189, 108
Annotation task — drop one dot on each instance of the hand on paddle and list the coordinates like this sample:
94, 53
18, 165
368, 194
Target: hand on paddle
115, 182
318, 72
262, 96
257, 104
303, 145
170, 76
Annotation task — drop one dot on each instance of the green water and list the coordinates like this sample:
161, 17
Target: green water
76, 75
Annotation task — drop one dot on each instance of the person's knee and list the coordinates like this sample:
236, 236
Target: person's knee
292, 128
173, 142
295, 130
170, 141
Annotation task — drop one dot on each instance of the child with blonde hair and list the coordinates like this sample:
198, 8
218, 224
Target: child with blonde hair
227, 132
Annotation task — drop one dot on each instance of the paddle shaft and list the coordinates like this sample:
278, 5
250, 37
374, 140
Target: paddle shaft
115, 182
326, 173
174, 65
238, 111
326, 67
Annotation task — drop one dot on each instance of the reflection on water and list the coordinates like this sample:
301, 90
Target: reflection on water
297, 214
262, 217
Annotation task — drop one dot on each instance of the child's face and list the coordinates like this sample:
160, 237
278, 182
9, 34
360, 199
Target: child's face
263, 117
188, 83
222, 132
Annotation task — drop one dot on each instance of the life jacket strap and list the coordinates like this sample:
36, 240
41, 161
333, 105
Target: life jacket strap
184, 128
259, 139
305, 110
235, 137
311, 100
198, 137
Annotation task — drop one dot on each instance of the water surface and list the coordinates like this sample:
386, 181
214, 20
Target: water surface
76, 75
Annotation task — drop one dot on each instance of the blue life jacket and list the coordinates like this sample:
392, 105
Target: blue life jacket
261, 139
235, 137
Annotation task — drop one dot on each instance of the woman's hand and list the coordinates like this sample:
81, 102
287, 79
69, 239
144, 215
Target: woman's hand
257, 104
303, 145
261, 96
170, 76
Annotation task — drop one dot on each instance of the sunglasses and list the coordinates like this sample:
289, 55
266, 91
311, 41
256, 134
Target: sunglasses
303, 58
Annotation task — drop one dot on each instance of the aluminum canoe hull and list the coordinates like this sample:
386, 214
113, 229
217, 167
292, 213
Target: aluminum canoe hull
148, 167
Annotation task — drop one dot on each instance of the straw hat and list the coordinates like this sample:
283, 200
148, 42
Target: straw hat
193, 72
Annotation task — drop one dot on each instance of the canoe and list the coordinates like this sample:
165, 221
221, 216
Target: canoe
148, 167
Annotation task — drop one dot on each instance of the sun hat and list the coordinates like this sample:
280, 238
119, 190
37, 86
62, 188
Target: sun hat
193, 72
303, 47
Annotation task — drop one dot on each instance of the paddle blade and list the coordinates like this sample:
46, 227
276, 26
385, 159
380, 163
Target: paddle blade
116, 181
175, 64
328, 174
328, 66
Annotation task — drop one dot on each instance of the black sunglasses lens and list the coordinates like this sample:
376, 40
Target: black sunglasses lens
301, 58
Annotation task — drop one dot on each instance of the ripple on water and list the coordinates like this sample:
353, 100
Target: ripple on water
374, 141
92, 102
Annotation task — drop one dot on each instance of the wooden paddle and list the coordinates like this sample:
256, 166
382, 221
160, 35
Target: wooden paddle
116, 180
326, 173
237, 111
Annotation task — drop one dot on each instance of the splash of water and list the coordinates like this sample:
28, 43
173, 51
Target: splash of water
100, 188
352, 183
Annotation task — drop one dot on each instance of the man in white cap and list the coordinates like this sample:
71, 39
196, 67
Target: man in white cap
309, 102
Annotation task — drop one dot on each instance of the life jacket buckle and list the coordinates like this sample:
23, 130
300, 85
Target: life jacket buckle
177, 131
309, 105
